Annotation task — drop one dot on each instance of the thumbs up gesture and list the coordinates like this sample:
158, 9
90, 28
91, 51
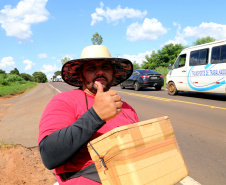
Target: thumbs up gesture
106, 104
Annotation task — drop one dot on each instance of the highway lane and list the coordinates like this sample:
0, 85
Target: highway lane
198, 121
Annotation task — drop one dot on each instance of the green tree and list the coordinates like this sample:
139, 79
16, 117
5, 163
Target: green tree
97, 39
57, 73
64, 60
151, 61
15, 71
26, 77
167, 55
2, 71
204, 40
136, 65
39, 77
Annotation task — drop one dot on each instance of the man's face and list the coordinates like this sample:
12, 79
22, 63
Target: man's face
101, 71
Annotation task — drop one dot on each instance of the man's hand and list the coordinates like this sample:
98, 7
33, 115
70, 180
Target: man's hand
106, 104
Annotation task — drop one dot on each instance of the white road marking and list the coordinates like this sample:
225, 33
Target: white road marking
55, 88
189, 181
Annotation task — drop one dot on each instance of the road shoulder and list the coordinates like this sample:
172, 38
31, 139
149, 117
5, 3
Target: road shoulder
20, 116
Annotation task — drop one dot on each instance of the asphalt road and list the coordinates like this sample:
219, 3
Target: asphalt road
20, 115
198, 121
199, 124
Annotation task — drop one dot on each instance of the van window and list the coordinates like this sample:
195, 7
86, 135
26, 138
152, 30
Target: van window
218, 54
180, 62
199, 57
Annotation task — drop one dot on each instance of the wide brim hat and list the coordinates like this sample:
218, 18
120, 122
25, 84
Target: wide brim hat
72, 70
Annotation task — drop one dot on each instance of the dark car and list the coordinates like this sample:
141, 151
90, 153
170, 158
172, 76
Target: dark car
144, 78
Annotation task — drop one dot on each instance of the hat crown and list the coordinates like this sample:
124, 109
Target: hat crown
95, 51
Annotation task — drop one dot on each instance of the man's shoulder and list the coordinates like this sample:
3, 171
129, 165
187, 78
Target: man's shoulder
72, 94
126, 105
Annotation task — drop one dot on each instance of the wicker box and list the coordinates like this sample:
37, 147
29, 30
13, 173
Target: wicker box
146, 152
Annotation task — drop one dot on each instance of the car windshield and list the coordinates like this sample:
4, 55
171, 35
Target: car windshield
148, 71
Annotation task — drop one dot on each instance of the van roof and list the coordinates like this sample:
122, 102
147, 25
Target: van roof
206, 44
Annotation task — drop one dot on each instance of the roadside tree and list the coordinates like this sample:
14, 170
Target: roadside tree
167, 55
204, 40
39, 77
97, 39
2, 71
64, 60
136, 65
15, 71
57, 73
26, 77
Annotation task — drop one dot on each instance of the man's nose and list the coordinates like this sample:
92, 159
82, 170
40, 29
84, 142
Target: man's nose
99, 72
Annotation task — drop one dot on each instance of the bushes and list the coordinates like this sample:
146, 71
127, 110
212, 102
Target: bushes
3, 80
2, 77
14, 78
16, 88
10, 79
162, 70
11, 84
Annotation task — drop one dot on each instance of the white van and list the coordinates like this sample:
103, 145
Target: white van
200, 68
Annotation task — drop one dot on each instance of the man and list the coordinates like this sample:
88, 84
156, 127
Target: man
73, 118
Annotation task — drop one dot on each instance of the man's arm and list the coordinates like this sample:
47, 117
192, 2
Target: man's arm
61, 145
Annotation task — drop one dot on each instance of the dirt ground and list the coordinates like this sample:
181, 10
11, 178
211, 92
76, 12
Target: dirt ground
20, 161
20, 165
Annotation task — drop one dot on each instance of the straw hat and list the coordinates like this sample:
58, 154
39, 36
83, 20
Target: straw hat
71, 71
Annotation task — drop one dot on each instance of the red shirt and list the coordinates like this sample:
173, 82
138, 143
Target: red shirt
63, 110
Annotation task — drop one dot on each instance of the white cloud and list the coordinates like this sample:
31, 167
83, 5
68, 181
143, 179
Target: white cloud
42, 55
138, 58
113, 15
217, 31
179, 38
29, 65
49, 68
7, 64
17, 21
151, 29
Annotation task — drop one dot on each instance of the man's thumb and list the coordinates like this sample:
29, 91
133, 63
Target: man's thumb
99, 87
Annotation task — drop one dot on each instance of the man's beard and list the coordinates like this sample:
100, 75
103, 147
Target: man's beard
92, 87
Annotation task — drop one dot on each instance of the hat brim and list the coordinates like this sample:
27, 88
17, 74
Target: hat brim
71, 70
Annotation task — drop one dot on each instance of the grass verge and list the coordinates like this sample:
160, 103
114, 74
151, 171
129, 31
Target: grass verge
16, 88
4, 145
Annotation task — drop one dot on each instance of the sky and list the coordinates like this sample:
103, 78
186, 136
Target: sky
35, 35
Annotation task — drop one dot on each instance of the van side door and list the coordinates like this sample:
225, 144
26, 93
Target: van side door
198, 80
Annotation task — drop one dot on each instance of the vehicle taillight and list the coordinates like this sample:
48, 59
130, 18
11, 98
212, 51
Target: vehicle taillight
144, 76
161, 76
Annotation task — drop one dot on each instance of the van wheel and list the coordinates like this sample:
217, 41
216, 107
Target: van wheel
136, 86
172, 90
